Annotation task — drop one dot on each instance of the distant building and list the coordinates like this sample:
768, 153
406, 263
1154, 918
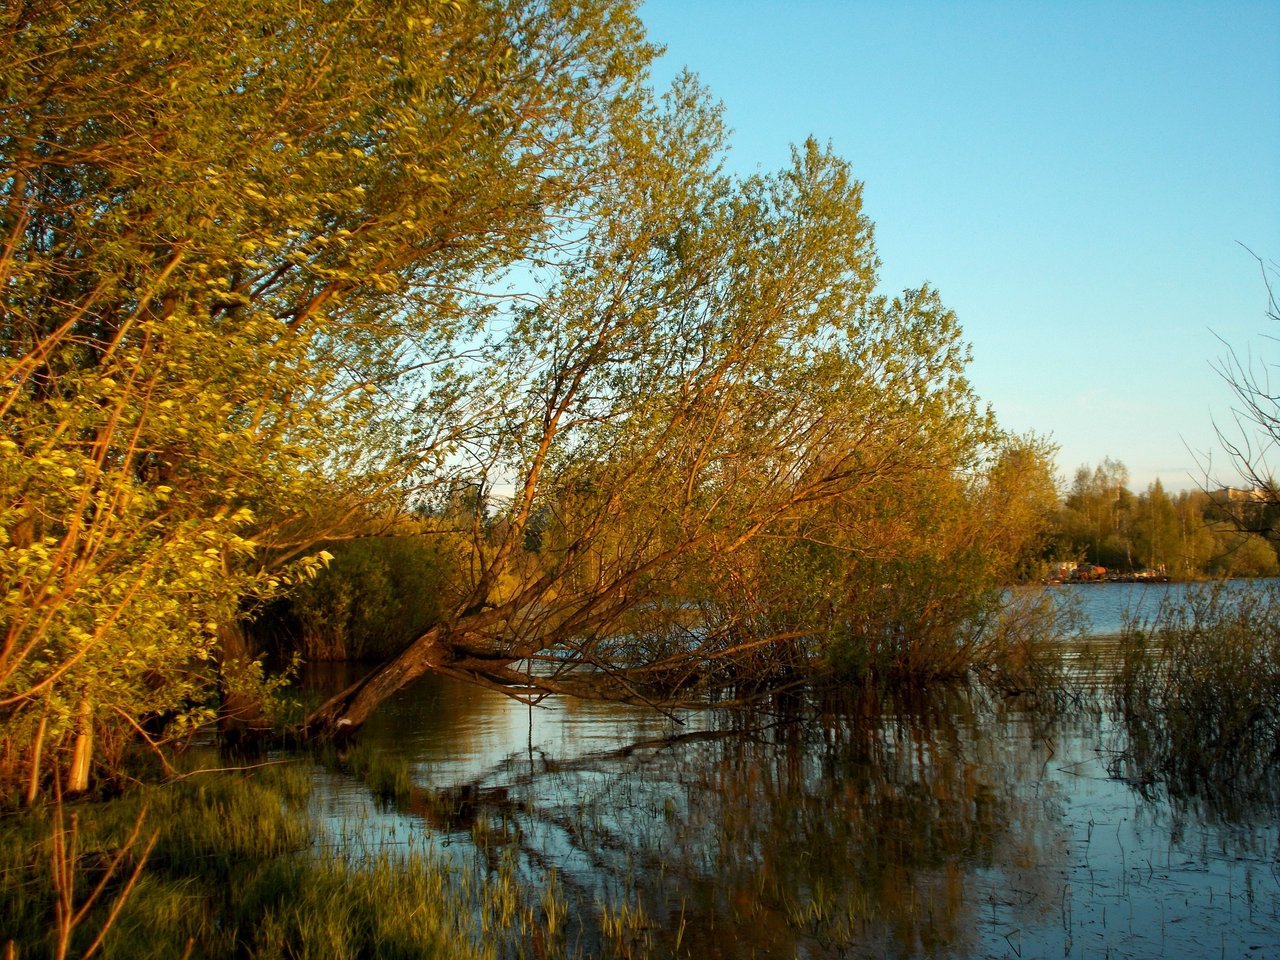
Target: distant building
1237, 496
1248, 508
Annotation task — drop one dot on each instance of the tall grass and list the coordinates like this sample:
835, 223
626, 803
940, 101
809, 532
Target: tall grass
386, 777
1199, 693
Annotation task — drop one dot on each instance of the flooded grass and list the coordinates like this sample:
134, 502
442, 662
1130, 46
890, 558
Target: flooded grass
958, 820
387, 778
238, 866
979, 819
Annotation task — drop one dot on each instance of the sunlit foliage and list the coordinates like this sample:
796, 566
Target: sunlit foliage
237, 244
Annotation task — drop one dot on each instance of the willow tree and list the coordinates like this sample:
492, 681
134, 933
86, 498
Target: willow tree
242, 246
710, 363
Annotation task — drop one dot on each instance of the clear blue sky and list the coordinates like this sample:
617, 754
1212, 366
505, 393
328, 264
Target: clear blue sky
1076, 179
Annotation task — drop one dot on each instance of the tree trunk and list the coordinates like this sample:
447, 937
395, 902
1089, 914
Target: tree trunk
37, 753
82, 750
241, 717
342, 715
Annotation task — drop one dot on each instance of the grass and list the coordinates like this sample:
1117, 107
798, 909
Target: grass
388, 779
518, 917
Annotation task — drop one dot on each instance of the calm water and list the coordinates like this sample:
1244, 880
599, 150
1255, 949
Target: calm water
1106, 605
957, 825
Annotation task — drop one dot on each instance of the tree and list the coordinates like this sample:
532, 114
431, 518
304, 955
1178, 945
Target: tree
1156, 529
1249, 440
904, 579
1020, 497
244, 248
271, 276
1197, 543
1249, 443
1097, 516
712, 367
1243, 555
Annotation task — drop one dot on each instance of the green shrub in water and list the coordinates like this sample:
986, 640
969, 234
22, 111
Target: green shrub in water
373, 599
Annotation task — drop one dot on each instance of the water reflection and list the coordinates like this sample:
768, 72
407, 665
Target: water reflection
952, 824
867, 828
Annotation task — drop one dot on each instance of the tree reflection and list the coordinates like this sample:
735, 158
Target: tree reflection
858, 824
866, 826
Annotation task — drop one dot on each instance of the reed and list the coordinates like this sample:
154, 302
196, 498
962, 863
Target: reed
1198, 691
1030, 644
627, 931
387, 778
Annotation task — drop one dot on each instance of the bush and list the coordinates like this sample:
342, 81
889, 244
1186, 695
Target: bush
374, 598
1245, 555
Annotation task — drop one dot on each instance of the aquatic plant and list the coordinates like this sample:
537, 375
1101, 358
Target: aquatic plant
1034, 641
386, 777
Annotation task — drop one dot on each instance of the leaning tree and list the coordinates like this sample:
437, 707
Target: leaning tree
710, 365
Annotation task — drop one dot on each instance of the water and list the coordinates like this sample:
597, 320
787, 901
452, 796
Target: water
954, 824
1106, 606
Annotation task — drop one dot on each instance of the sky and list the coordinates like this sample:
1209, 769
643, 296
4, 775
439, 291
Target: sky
1090, 187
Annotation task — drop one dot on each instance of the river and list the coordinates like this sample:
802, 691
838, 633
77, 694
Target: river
958, 823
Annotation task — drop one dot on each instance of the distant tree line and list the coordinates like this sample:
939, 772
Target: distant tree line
1186, 535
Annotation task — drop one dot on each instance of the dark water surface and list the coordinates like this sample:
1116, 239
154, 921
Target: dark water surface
958, 824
